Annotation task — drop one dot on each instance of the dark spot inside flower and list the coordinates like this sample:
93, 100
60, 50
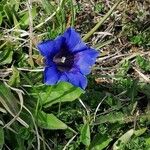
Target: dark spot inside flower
64, 60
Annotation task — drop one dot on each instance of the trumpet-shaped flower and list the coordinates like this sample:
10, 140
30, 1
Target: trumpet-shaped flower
67, 58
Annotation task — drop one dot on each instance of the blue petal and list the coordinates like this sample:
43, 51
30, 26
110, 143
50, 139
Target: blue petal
48, 62
50, 47
77, 79
63, 77
85, 59
74, 41
51, 75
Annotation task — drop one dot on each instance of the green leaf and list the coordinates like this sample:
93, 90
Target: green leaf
1, 8
15, 4
6, 56
138, 39
24, 21
100, 142
10, 103
7, 99
61, 92
123, 69
16, 23
49, 121
1, 18
1, 137
8, 12
147, 141
123, 139
15, 78
143, 63
140, 132
112, 117
24, 133
85, 134
49, 8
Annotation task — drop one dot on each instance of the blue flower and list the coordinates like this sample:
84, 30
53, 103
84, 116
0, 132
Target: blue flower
67, 58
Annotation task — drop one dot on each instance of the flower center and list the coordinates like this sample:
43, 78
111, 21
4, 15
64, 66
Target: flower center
64, 61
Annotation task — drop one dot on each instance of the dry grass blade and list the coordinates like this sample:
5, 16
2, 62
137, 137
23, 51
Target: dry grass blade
50, 17
11, 113
98, 107
87, 110
142, 75
19, 92
36, 128
29, 5
101, 22
65, 147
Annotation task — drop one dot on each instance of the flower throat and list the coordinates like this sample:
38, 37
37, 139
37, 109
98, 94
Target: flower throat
64, 60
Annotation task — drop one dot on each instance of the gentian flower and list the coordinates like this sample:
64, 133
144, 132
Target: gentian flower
67, 58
